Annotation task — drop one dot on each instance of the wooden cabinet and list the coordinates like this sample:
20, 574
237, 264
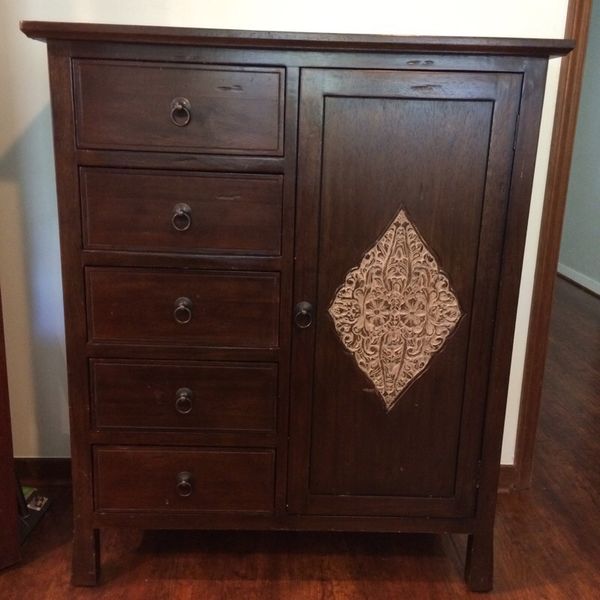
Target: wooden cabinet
291, 267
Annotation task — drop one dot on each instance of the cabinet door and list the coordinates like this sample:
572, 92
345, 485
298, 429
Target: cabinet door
402, 197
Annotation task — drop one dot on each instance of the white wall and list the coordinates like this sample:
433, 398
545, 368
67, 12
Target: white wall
580, 246
29, 257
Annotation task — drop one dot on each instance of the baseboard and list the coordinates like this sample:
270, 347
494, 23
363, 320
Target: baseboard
509, 479
57, 471
44, 471
579, 279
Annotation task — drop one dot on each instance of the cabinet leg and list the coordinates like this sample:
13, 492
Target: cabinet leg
86, 557
479, 565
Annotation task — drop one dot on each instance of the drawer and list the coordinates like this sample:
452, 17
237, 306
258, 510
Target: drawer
126, 209
145, 478
200, 308
179, 107
199, 396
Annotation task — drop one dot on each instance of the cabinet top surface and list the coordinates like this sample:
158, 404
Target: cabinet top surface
51, 30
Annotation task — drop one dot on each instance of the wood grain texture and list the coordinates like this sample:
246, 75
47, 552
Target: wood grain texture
480, 548
129, 106
227, 262
179, 160
225, 309
132, 209
144, 478
547, 538
407, 59
86, 557
10, 538
219, 396
565, 122
47, 30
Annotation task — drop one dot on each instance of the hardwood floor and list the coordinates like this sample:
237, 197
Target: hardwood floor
547, 539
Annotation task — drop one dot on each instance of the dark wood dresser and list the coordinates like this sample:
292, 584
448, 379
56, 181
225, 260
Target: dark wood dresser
291, 265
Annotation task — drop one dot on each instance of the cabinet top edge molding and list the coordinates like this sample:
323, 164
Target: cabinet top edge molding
232, 38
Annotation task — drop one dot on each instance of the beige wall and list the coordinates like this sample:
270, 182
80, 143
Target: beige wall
29, 259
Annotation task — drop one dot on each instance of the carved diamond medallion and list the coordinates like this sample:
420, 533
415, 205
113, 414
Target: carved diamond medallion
395, 310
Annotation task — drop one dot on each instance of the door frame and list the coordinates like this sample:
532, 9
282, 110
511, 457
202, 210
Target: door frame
518, 476
10, 540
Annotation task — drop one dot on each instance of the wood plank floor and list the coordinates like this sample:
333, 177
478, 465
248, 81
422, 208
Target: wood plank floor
547, 539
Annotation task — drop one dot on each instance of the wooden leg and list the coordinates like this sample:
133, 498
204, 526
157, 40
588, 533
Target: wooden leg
479, 565
86, 556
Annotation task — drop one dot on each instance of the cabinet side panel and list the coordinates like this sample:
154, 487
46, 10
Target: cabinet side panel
85, 554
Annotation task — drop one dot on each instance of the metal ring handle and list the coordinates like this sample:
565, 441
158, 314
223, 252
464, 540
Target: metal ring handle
183, 310
183, 401
184, 485
181, 219
181, 111
303, 315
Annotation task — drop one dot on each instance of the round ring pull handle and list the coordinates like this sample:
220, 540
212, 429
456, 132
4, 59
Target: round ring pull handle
181, 219
181, 111
182, 312
184, 485
183, 401
303, 315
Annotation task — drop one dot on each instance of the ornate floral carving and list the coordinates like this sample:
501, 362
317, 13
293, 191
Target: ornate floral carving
395, 310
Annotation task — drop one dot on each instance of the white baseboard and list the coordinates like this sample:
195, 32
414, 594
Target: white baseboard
583, 280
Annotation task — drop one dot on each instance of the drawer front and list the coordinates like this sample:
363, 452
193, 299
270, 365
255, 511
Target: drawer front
201, 308
179, 107
125, 209
199, 396
183, 479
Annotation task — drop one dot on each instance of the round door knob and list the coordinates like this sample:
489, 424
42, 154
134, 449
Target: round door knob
183, 401
184, 486
303, 315
182, 313
181, 111
181, 219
